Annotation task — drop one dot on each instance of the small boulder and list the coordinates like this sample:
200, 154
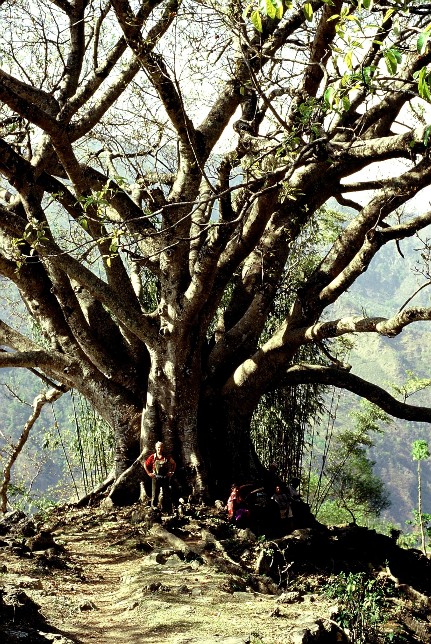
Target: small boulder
43, 540
87, 605
30, 582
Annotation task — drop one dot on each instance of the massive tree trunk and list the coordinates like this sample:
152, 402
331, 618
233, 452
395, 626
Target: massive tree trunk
229, 454
174, 388
207, 434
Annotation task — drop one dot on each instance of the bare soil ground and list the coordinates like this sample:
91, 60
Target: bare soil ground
120, 581
105, 575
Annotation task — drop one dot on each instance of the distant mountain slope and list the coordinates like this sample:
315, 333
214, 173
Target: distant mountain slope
41, 464
382, 291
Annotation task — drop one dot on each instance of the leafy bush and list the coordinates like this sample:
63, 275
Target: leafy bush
363, 606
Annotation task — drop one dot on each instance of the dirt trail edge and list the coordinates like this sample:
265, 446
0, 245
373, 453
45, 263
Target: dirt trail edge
119, 579
107, 575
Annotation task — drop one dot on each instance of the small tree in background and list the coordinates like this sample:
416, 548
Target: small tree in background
350, 488
420, 452
346, 484
66, 457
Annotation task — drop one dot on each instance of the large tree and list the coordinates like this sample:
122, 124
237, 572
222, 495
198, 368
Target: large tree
162, 163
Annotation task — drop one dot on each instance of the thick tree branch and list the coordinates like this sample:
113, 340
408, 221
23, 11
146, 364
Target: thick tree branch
98, 352
13, 339
143, 326
378, 119
317, 374
64, 5
33, 105
252, 296
51, 362
383, 326
126, 208
358, 242
262, 371
406, 228
28, 94
316, 64
382, 148
76, 53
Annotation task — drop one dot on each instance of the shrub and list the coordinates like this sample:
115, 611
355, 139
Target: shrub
363, 605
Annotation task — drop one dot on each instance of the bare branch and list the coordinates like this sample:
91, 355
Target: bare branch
307, 373
155, 65
47, 397
75, 56
414, 295
384, 326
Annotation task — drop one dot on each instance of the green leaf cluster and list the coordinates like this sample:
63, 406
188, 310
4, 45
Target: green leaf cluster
422, 41
393, 58
423, 77
420, 450
257, 12
363, 604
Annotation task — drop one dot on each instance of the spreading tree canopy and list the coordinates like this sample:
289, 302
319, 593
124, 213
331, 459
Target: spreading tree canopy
165, 167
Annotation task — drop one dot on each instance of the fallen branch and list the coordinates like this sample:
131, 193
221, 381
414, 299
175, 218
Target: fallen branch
96, 493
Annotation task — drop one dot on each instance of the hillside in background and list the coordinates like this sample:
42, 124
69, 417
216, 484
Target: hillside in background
42, 463
388, 362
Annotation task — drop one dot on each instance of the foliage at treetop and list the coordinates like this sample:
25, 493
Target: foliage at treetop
162, 163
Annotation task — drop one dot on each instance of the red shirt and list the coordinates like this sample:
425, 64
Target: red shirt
153, 464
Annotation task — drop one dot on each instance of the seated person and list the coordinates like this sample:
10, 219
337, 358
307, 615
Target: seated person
293, 489
283, 503
232, 501
237, 508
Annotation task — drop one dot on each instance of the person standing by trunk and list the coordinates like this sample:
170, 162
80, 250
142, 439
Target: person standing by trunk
160, 468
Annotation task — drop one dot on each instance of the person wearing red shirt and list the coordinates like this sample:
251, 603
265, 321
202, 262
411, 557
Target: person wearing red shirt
160, 468
232, 501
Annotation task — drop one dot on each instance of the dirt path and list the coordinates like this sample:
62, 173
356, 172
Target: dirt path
115, 590
87, 606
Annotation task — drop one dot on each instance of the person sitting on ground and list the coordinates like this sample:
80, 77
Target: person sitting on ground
237, 507
293, 489
160, 468
232, 501
283, 503
242, 511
